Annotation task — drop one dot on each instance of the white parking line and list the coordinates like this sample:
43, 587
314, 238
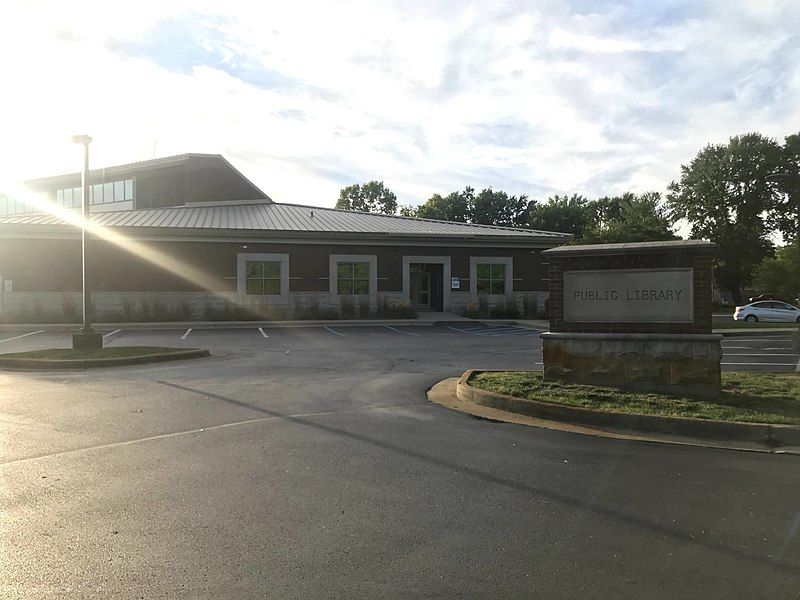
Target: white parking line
185, 335
112, 333
333, 332
765, 339
262, 332
16, 337
473, 332
514, 332
760, 364
757, 354
400, 331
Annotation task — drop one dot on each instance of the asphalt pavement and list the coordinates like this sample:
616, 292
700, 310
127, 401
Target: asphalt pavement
307, 463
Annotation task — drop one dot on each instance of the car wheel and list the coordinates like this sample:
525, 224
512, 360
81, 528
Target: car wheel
797, 320
751, 319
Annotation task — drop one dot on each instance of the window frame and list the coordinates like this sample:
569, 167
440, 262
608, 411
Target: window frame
372, 275
508, 280
263, 278
243, 258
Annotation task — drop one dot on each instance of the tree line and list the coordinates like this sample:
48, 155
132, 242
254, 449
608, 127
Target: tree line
625, 218
741, 195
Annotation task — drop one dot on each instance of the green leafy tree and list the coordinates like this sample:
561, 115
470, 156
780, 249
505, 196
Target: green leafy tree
724, 194
780, 274
456, 206
495, 207
409, 210
370, 197
629, 218
567, 214
786, 216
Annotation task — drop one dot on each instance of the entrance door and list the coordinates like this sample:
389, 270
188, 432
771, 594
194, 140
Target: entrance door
420, 288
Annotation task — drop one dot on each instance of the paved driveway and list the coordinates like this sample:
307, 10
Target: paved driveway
303, 463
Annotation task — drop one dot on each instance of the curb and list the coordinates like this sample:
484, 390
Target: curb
768, 435
44, 364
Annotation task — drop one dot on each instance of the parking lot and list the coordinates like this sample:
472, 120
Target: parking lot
752, 352
306, 462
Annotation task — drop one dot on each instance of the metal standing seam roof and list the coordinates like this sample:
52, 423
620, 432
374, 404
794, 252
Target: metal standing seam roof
286, 218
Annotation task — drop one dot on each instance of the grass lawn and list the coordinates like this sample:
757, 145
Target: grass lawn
747, 397
114, 352
758, 325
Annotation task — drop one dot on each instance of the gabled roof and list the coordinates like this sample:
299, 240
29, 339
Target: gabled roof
189, 160
274, 219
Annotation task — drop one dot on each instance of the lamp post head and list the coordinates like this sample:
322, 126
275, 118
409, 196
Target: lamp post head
81, 139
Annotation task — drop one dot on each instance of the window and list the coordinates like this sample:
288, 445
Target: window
262, 277
352, 278
491, 278
99, 193
119, 191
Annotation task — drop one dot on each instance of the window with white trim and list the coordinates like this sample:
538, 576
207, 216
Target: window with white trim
352, 278
262, 277
491, 278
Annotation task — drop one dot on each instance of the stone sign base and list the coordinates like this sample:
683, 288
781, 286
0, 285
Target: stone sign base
685, 364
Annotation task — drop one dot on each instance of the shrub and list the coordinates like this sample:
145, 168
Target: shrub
507, 310
348, 310
69, 311
395, 310
363, 309
479, 310
311, 310
530, 307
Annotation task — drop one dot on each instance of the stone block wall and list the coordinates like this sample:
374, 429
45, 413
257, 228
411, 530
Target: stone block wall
664, 363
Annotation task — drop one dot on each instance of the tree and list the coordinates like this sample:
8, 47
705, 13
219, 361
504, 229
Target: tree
456, 206
786, 217
629, 218
370, 197
560, 213
495, 207
780, 274
724, 194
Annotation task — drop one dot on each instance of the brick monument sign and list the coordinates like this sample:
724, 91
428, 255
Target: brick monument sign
634, 316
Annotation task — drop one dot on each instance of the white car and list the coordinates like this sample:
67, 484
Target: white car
769, 311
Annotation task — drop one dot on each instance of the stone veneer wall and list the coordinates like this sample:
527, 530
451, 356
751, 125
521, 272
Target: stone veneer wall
655, 258
678, 363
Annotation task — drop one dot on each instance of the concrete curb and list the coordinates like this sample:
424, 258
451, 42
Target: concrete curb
43, 364
768, 435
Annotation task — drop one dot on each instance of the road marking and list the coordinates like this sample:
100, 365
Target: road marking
759, 354
759, 364
514, 332
185, 335
333, 332
473, 332
399, 331
765, 339
112, 333
16, 337
262, 332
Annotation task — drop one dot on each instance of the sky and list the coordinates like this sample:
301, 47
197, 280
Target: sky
533, 97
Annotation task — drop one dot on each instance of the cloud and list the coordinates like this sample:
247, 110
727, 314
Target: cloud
551, 97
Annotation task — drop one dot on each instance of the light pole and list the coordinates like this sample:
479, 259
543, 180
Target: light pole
87, 339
